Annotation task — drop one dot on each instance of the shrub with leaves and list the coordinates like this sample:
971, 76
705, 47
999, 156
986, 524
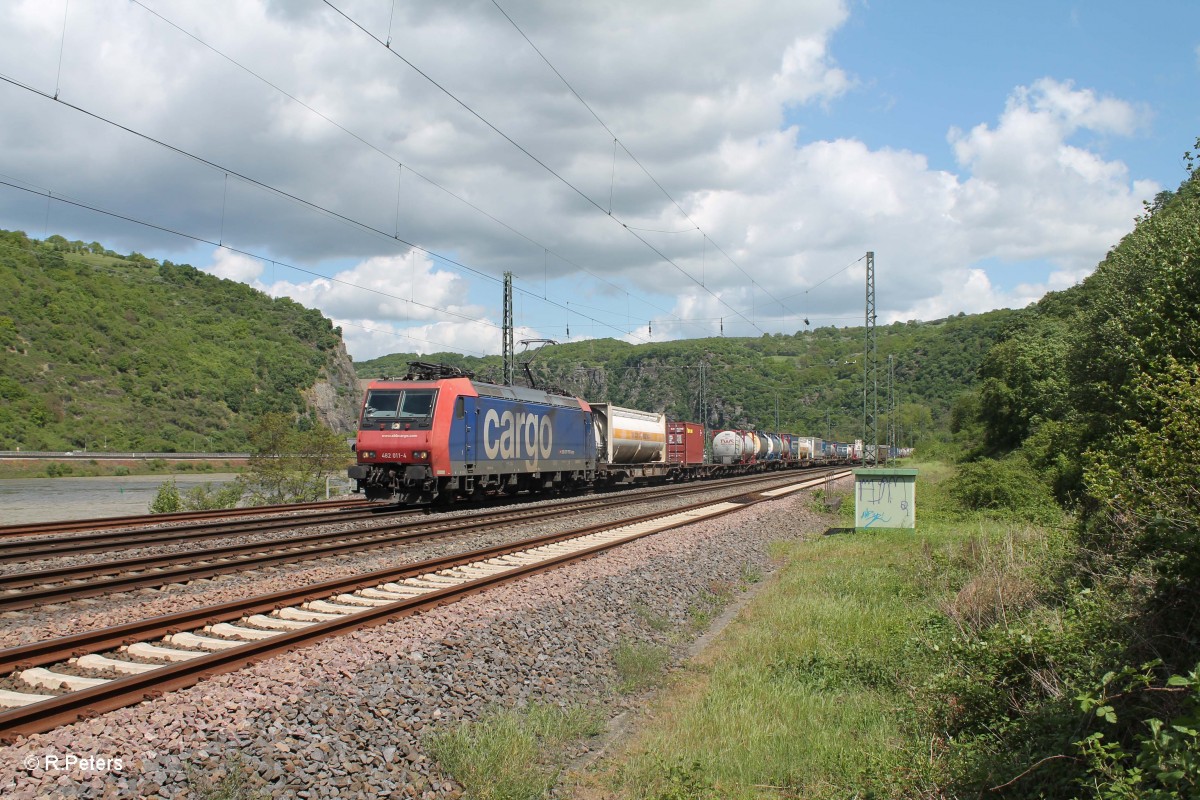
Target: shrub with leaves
1148, 503
166, 500
1007, 696
1148, 473
207, 497
1161, 759
292, 461
1009, 487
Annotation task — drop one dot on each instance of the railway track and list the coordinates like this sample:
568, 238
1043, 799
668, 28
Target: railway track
144, 659
34, 588
28, 550
138, 520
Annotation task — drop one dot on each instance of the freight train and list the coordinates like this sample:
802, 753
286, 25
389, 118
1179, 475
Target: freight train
437, 435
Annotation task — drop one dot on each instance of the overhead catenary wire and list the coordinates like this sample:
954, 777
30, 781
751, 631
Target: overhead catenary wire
62, 48
115, 215
394, 236
588, 199
400, 164
272, 189
616, 141
273, 261
826, 279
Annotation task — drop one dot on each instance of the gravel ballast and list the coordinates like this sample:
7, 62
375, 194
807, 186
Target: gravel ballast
347, 717
62, 619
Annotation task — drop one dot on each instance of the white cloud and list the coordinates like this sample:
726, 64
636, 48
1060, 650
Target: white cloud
968, 290
1031, 194
393, 288
1034, 183
798, 212
807, 73
369, 338
235, 266
381, 300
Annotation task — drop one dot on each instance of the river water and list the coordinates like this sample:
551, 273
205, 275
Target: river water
52, 499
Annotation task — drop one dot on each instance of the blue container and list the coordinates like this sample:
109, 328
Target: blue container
510, 430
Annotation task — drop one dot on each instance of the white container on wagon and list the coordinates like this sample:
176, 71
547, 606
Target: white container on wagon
628, 436
728, 447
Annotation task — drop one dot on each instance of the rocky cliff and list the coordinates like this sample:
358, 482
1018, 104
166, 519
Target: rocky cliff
335, 398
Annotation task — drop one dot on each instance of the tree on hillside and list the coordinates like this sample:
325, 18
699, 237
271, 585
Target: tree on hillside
1144, 309
1024, 382
1098, 389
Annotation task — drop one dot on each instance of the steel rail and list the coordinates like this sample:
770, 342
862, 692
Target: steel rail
181, 567
100, 523
65, 709
104, 541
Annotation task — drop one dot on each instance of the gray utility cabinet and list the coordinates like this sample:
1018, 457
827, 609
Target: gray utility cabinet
885, 498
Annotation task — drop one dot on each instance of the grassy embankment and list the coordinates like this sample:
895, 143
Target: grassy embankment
808, 693
821, 686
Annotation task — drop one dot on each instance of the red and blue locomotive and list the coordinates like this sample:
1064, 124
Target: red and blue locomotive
437, 435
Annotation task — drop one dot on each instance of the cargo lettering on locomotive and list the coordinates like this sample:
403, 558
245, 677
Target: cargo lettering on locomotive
519, 435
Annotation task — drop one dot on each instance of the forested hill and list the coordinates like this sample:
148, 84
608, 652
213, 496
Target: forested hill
99, 350
815, 377
103, 351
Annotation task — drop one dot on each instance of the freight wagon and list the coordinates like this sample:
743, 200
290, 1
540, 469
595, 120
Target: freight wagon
437, 435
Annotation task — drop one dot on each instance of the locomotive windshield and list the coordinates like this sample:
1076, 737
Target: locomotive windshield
399, 404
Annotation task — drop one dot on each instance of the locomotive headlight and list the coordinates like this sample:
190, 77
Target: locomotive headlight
420, 455
367, 454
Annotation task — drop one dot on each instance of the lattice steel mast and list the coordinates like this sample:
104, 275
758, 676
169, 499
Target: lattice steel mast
871, 372
509, 354
891, 412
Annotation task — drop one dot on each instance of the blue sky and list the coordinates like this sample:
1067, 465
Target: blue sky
929, 66
987, 153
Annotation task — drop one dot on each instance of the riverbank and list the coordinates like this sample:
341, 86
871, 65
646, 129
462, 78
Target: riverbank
43, 499
84, 467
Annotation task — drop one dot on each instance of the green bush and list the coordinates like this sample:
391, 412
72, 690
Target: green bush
1007, 699
167, 499
56, 470
1009, 487
206, 497
289, 464
1150, 759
